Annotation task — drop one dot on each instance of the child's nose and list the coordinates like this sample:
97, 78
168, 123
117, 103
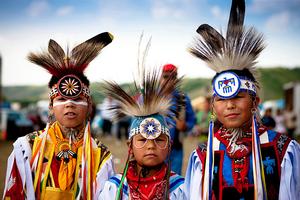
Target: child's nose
69, 103
230, 104
150, 144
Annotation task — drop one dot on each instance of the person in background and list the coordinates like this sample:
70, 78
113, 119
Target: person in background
268, 120
184, 121
290, 121
203, 118
123, 127
242, 158
279, 120
106, 115
63, 161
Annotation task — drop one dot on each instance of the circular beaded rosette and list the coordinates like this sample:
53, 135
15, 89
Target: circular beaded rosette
150, 128
69, 86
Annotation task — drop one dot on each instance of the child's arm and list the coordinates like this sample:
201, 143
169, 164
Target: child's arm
177, 187
18, 182
290, 172
110, 189
193, 177
106, 171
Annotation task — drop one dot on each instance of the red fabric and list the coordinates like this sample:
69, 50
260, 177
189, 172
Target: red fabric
169, 68
14, 187
55, 169
152, 187
240, 157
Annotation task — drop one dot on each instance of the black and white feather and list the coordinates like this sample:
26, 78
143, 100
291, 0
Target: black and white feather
238, 50
59, 63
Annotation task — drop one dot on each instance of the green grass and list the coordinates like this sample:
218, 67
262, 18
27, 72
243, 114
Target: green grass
271, 79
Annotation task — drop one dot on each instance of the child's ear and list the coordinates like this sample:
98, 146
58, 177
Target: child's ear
129, 144
170, 145
256, 102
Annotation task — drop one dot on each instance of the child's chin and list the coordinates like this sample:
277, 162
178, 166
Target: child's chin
150, 164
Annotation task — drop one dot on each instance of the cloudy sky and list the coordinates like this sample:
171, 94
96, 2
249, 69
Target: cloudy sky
27, 25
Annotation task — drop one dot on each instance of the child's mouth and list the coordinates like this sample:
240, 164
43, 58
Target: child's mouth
150, 155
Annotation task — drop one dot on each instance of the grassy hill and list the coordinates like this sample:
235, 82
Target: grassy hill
272, 81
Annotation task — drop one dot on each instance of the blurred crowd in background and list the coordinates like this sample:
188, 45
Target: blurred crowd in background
17, 121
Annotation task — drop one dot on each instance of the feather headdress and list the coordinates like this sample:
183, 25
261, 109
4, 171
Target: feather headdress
70, 65
236, 52
150, 96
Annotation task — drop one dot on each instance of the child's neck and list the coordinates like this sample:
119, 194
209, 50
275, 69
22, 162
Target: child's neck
67, 132
146, 171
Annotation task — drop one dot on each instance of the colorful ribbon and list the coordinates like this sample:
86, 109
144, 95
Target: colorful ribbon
209, 163
260, 191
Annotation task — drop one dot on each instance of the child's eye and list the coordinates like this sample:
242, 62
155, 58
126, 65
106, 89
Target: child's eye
61, 99
239, 96
79, 99
219, 99
142, 140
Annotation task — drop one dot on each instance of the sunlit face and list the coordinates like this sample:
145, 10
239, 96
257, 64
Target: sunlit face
150, 153
234, 112
70, 113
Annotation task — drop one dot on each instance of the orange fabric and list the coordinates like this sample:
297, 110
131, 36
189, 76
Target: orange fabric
66, 170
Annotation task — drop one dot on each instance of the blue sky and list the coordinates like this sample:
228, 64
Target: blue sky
28, 25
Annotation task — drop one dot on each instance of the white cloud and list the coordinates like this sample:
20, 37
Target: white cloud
174, 8
63, 11
274, 5
36, 8
278, 22
2, 39
217, 12
163, 9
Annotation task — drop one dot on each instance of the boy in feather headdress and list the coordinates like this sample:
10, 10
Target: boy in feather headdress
242, 159
63, 161
147, 173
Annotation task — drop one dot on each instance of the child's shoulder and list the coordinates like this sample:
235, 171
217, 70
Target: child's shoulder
31, 136
175, 181
116, 179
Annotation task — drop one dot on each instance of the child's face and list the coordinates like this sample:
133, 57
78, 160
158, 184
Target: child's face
150, 152
234, 112
70, 113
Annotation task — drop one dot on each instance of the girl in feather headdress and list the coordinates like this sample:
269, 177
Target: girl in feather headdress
147, 173
242, 159
63, 161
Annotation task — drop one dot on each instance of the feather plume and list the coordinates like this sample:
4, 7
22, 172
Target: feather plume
59, 63
237, 51
154, 95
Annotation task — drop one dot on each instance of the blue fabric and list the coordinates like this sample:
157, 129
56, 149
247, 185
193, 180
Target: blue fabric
176, 160
175, 182
190, 118
271, 134
117, 182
